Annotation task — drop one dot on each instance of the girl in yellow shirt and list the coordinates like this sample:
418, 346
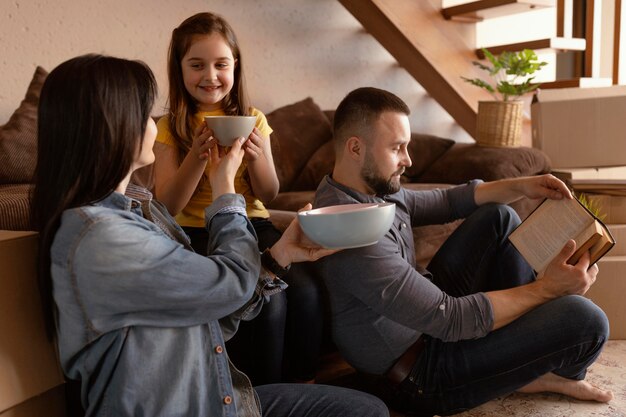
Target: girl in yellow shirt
206, 79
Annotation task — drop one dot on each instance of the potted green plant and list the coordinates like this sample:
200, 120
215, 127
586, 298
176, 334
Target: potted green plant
511, 73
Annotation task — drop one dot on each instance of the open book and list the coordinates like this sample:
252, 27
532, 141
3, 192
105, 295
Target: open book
542, 235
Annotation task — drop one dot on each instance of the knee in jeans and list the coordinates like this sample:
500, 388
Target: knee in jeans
589, 317
501, 214
503, 211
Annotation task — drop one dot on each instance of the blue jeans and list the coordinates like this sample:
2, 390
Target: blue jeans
563, 336
312, 400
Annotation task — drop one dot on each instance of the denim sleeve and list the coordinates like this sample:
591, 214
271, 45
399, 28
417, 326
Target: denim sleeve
378, 277
126, 273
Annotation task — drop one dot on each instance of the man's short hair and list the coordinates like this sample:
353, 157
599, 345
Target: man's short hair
360, 109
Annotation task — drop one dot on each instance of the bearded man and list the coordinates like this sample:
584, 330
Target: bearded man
475, 323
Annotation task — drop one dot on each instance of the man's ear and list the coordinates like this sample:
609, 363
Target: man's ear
355, 148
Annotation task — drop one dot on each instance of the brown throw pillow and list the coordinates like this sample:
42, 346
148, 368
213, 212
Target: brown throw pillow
424, 150
18, 137
299, 130
467, 161
320, 164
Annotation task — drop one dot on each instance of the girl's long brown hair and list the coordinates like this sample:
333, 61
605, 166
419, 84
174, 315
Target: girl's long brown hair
182, 105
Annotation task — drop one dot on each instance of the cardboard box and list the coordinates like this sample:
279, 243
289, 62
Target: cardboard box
608, 293
619, 234
580, 127
28, 361
611, 207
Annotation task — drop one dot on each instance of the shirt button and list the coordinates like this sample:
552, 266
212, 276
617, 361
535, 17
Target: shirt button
228, 399
219, 349
404, 225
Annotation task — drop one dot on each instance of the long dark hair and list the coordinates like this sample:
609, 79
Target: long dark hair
182, 105
92, 117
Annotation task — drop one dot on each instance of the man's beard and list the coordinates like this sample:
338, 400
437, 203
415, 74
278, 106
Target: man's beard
375, 181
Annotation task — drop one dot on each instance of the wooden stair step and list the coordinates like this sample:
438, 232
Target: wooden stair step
582, 82
487, 9
556, 44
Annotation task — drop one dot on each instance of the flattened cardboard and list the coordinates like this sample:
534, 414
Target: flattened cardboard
28, 359
580, 127
608, 293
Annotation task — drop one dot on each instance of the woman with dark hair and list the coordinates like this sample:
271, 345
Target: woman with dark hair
140, 319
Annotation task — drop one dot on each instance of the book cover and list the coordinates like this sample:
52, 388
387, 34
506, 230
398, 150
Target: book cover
542, 235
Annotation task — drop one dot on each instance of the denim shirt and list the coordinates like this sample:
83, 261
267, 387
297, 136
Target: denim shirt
142, 321
381, 300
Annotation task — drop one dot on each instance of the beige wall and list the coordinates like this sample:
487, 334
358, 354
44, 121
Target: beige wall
291, 49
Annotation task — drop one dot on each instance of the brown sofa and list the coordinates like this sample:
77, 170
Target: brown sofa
303, 154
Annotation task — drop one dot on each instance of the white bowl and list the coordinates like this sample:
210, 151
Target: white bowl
228, 128
347, 225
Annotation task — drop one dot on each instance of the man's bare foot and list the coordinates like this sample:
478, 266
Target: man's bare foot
581, 390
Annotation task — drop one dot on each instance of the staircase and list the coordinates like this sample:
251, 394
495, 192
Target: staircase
488, 9
437, 45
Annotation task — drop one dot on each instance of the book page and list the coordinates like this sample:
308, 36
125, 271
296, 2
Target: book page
544, 233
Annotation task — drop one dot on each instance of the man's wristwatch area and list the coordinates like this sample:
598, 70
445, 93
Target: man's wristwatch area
269, 263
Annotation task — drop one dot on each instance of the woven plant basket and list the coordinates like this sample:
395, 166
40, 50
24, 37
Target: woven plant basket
499, 123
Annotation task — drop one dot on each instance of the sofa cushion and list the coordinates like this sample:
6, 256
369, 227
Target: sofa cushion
299, 130
18, 137
465, 161
424, 150
320, 164
15, 207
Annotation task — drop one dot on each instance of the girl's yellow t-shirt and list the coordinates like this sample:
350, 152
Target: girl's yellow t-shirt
193, 214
